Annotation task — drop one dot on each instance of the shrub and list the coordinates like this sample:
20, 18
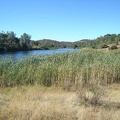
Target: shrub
103, 46
90, 96
112, 47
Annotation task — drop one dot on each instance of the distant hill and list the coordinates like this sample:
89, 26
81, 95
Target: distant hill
50, 44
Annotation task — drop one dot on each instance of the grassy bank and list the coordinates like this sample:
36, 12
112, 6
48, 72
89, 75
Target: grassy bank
82, 86
78, 68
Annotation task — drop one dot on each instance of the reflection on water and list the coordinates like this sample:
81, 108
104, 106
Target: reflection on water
21, 54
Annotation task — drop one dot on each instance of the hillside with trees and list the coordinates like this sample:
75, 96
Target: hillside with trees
99, 42
10, 43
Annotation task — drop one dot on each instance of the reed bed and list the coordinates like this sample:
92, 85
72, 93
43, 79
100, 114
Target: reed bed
85, 67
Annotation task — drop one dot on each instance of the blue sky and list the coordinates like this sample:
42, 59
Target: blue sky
62, 20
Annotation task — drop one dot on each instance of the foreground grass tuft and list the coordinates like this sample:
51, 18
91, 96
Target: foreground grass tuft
41, 103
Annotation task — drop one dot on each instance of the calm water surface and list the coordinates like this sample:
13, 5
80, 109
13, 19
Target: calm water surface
21, 54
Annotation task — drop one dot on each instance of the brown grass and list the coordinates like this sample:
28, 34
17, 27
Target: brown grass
40, 103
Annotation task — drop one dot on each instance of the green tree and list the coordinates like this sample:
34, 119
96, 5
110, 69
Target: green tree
25, 41
11, 37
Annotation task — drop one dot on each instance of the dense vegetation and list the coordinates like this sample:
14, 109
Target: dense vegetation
86, 66
100, 42
9, 42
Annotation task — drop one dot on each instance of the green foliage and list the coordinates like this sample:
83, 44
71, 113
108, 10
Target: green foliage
103, 45
24, 41
100, 42
9, 42
79, 68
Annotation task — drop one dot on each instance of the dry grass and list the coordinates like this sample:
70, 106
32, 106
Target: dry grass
40, 103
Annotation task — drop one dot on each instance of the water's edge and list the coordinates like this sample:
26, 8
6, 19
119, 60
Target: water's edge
21, 54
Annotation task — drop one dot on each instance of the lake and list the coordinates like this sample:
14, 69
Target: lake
21, 54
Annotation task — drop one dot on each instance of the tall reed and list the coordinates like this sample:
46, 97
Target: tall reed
79, 68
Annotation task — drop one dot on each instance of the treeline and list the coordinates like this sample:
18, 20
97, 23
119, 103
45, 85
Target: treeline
10, 43
100, 42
